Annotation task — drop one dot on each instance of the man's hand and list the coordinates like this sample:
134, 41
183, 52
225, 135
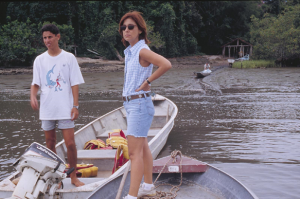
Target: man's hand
34, 103
145, 87
74, 111
74, 114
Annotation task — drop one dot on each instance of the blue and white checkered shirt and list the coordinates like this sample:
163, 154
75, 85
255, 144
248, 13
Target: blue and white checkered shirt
134, 73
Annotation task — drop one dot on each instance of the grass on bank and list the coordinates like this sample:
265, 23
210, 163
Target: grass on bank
254, 64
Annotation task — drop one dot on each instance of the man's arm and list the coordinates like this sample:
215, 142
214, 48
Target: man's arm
33, 101
74, 111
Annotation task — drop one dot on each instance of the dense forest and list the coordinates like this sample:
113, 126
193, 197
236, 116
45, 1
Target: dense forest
175, 28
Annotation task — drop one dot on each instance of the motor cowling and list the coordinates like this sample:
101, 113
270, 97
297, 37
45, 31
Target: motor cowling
42, 171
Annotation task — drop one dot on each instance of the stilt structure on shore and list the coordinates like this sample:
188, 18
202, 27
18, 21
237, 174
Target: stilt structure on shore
237, 48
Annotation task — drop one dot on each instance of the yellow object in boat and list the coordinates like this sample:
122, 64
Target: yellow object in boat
94, 171
88, 172
80, 166
115, 141
120, 159
124, 149
94, 144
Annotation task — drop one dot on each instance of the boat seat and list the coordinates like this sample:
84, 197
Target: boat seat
103, 159
151, 133
160, 117
158, 98
158, 112
96, 154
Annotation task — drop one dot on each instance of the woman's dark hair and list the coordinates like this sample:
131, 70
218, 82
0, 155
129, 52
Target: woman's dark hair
51, 28
139, 20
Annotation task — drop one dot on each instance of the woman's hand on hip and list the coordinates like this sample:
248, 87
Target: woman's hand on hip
145, 87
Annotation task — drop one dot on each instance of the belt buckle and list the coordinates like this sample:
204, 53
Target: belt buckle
128, 98
140, 95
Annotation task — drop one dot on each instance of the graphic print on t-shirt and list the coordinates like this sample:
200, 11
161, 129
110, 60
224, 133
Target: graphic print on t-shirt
51, 83
58, 79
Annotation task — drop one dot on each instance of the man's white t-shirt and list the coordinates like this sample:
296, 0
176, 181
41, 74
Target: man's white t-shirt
55, 76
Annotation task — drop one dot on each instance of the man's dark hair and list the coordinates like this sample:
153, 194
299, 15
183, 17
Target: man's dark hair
51, 28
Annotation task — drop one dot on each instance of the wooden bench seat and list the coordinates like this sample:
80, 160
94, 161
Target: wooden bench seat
103, 159
158, 111
96, 154
151, 133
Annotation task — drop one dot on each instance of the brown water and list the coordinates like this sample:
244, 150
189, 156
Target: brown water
244, 122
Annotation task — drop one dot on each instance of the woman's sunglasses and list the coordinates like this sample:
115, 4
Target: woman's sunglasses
130, 27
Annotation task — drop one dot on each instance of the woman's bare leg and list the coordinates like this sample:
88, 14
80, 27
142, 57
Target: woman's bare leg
135, 149
148, 163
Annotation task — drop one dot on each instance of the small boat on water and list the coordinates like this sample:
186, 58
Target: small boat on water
183, 177
203, 73
230, 61
162, 124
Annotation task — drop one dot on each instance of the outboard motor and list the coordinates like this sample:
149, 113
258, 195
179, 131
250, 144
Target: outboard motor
42, 171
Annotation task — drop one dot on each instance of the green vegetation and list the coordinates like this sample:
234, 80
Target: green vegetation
254, 64
17, 42
175, 28
277, 37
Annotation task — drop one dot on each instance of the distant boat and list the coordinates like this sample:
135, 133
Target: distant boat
203, 73
230, 61
162, 124
199, 180
245, 58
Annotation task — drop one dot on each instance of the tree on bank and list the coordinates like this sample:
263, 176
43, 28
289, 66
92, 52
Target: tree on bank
176, 28
277, 37
17, 43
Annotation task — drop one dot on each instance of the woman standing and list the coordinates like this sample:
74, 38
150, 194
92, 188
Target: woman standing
139, 60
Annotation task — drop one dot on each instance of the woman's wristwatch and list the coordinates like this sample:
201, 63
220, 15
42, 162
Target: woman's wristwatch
148, 82
76, 107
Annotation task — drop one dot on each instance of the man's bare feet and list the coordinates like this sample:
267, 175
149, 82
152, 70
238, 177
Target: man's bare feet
16, 180
75, 181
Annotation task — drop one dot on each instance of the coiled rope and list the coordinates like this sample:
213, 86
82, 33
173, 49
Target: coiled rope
175, 188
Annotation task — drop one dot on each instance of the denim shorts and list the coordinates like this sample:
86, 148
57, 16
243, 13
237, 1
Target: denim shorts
139, 113
48, 125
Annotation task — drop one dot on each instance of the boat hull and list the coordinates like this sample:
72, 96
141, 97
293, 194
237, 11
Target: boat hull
199, 180
201, 74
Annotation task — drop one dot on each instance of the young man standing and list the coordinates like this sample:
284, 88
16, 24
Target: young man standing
57, 73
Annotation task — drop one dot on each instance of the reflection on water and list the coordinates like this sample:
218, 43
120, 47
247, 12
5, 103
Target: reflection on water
245, 122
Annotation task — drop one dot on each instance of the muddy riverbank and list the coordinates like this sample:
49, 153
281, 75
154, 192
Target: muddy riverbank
99, 65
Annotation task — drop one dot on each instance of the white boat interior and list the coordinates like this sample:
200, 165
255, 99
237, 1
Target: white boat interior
162, 124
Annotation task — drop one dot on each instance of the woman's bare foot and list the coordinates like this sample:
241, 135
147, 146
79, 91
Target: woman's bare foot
76, 182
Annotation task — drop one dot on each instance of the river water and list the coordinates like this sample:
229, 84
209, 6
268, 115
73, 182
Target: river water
245, 122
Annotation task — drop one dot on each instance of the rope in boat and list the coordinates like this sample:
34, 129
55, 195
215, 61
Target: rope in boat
175, 188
